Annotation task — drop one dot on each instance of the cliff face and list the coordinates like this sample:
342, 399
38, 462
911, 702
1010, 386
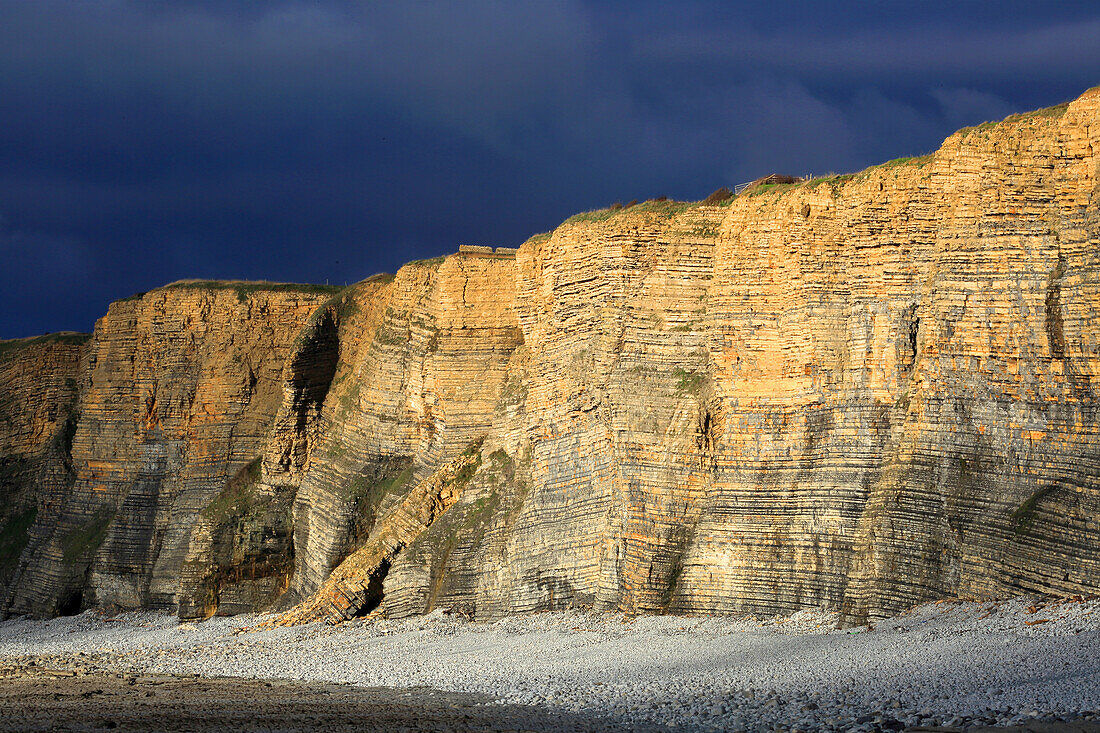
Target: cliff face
860, 392
38, 390
990, 484
412, 368
179, 388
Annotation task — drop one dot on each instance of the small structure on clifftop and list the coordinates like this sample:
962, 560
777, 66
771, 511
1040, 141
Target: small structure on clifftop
766, 180
476, 250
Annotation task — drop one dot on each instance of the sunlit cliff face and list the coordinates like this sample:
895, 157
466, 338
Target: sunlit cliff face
857, 392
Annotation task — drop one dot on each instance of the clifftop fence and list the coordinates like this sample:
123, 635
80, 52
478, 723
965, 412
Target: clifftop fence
773, 178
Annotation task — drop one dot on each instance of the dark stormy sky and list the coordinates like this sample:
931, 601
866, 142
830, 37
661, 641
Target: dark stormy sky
147, 141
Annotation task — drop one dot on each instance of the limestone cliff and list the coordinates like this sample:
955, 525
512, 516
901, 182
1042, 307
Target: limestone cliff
390, 382
39, 382
178, 390
860, 392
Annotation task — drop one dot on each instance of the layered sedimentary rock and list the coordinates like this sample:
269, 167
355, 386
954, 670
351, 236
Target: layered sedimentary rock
357, 585
858, 392
415, 366
39, 383
179, 388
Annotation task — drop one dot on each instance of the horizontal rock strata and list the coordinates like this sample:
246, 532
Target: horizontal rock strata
859, 392
179, 389
39, 383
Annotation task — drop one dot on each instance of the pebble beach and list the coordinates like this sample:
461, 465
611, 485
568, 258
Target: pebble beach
1029, 663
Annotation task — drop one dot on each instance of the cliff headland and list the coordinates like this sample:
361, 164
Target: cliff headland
855, 393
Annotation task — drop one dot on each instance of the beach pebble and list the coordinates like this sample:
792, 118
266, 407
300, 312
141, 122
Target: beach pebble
950, 663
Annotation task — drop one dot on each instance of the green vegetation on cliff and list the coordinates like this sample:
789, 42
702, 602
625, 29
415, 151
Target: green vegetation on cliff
83, 541
243, 288
1053, 113
238, 497
367, 491
1024, 514
13, 538
688, 382
9, 348
663, 208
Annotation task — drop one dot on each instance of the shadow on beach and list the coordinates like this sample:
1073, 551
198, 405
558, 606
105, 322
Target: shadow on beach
45, 700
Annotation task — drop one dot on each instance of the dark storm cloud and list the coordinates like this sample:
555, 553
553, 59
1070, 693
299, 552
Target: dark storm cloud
142, 142
992, 55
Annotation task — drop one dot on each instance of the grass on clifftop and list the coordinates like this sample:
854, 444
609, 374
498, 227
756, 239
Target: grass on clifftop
834, 181
769, 187
1053, 112
668, 209
244, 288
665, 208
539, 238
430, 262
10, 347
917, 160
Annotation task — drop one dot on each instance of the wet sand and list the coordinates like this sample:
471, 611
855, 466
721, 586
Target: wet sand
37, 699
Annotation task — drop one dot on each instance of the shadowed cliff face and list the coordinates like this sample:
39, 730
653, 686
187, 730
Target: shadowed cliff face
387, 384
39, 383
860, 392
426, 356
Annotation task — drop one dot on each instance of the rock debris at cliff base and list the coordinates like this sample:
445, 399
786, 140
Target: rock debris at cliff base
957, 664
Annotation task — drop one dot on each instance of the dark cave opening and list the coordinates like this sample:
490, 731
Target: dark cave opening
373, 597
71, 604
